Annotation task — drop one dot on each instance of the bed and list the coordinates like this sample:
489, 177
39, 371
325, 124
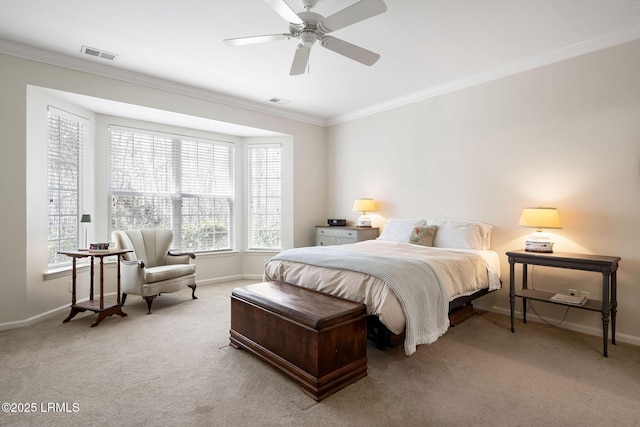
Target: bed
409, 277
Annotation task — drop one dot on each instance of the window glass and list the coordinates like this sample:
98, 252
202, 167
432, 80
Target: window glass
160, 180
265, 196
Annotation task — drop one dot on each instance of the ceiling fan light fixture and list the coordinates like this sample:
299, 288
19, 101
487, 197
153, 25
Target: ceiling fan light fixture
308, 38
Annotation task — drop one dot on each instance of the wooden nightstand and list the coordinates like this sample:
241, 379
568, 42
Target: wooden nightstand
605, 265
339, 235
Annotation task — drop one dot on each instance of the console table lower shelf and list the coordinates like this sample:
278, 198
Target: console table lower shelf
592, 304
108, 309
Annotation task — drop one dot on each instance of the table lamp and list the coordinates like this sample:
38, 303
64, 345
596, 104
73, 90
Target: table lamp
539, 218
364, 205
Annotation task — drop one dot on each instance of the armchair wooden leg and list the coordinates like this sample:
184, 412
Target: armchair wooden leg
149, 301
193, 291
123, 299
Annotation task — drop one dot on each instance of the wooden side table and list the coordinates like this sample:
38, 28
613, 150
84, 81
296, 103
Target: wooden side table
605, 265
100, 306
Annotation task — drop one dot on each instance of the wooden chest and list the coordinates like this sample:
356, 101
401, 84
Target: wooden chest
316, 339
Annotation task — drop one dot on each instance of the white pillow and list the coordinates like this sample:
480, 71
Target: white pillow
461, 234
399, 229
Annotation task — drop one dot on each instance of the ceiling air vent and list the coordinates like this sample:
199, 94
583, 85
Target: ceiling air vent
92, 51
279, 101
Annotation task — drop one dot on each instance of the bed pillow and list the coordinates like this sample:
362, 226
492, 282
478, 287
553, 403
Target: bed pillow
423, 235
399, 229
461, 234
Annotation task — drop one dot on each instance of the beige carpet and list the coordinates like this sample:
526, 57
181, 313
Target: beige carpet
175, 367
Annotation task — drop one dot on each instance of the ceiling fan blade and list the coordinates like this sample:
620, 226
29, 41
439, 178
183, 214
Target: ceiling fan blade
355, 13
349, 50
241, 41
285, 11
300, 60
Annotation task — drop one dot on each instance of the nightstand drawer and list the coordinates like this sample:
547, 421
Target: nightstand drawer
330, 240
339, 235
347, 233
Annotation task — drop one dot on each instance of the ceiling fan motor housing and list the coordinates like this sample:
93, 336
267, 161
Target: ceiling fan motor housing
310, 30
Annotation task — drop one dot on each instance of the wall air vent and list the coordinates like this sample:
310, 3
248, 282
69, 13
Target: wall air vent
98, 53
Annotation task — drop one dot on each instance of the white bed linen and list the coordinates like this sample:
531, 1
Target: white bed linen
460, 278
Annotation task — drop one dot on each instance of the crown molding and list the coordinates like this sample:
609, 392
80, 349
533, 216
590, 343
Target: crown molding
78, 64
571, 51
577, 49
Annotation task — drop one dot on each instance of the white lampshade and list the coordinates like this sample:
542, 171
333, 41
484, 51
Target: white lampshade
540, 218
364, 205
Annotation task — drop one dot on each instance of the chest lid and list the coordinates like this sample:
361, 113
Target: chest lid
306, 306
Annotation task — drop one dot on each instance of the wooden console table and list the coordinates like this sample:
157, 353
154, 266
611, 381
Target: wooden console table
100, 306
606, 265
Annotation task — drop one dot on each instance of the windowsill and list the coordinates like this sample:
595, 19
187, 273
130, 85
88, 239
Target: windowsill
56, 273
214, 254
65, 271
81, 266
263, 251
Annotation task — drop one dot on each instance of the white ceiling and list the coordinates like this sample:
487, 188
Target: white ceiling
426, 46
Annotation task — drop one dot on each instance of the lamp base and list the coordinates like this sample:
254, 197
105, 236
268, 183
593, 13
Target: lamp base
364, 221
538, 246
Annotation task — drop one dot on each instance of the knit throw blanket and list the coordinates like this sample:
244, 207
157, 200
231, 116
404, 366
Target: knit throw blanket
416, 284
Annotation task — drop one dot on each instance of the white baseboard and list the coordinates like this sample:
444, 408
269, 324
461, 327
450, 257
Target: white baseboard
229, 279
32, 320
629, 339
59, 311
63, 310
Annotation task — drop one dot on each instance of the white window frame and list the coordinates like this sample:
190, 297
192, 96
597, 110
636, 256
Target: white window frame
63, 218
176, 194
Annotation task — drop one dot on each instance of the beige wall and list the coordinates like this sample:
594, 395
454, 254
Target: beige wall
24, 295
564, 135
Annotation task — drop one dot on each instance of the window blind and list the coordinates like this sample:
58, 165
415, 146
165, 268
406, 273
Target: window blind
161, 180
265, 196
65, 140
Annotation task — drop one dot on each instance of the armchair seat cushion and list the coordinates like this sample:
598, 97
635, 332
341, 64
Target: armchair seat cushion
167, 272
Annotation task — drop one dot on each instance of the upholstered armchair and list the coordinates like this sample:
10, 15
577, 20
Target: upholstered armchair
151, 269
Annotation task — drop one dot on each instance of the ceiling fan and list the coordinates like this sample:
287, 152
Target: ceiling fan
309, 27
